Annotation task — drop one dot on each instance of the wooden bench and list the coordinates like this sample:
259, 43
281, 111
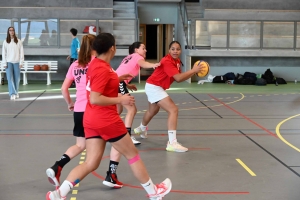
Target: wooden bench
28, 67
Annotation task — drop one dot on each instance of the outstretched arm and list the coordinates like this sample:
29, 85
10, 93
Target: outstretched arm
145, 64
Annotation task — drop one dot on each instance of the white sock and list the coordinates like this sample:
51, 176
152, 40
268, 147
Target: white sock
149, 187
143, 127
172, 136
65, 188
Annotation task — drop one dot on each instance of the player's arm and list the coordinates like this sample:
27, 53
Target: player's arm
188, 74
145, 64
97, 98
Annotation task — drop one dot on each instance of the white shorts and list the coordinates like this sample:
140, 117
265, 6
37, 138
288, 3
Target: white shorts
155, 93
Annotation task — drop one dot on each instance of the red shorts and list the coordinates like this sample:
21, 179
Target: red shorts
108, 132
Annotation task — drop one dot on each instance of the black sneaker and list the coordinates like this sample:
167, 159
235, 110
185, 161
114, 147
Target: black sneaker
112, 181
53, 174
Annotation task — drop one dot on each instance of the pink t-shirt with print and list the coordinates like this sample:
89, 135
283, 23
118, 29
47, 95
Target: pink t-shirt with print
129, 65
78, 75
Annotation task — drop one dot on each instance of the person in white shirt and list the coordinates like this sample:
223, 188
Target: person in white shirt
12, 60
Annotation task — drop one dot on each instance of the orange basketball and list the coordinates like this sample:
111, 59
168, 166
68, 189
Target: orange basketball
205, 71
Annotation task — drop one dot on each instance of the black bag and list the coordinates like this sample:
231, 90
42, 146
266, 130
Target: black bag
260, 82
219, 79
268, 76
280, 80
230, 76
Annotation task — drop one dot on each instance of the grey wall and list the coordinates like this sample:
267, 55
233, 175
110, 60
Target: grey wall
56, 9
252, 4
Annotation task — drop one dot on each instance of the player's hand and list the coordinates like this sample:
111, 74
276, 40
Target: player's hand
131, 87
126, 99
71, 106
68, 58
198, 67
156, 65
125, 77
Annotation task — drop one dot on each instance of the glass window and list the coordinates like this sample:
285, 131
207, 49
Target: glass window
4, 24
278, 35
298, 35
38, 32
244, 34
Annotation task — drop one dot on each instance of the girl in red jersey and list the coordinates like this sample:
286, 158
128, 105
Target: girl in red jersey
156, 84
102, 123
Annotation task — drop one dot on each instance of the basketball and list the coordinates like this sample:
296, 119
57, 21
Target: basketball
204, 71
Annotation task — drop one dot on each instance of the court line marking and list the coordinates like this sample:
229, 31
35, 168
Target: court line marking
280, 136
245, 117
245, 167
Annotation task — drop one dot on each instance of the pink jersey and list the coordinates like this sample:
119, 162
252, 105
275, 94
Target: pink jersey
78, 74
129, 65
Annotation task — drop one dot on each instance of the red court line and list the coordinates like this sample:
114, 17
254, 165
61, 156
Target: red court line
253, 122
178, 191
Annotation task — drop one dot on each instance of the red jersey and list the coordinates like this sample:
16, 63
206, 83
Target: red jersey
103, 79
163, 75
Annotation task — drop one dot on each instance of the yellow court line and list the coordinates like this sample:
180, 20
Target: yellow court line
280, 136
245, 167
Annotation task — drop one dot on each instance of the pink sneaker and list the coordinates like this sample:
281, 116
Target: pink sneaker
161, 190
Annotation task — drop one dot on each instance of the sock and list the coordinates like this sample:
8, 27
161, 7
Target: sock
113, 165
172, 136
149, 187
65, 188
129, 130
63, 160
143, 127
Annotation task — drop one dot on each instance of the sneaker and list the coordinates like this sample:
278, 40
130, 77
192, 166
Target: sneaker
53, 174
176, 147
135, 142
17, 96
139, 131
12, 97
161, 190
55, 195
112, 181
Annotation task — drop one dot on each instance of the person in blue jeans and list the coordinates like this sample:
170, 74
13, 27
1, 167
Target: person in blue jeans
12, 60
74, 49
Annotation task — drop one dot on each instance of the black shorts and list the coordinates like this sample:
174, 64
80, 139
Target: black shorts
78, 129
122, 88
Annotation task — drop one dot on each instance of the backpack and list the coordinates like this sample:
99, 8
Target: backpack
230, 76
280, 80
219, 79
260, 82
268, 76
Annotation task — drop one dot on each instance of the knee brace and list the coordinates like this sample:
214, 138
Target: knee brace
134, 159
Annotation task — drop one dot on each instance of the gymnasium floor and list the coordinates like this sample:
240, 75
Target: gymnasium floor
243, 142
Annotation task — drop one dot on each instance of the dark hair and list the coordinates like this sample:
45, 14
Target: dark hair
134, 45
8, 39
103, 42
73, 31
85, 52
173, 43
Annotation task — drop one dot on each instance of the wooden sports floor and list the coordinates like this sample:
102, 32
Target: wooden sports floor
244, 144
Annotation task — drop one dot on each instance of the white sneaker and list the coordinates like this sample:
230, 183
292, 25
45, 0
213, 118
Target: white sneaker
12, 97
176, 147
135, 142
162, 189
140, 132
17, 96
54, 196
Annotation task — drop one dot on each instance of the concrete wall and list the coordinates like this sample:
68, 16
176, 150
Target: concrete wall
287, 68
252, 4
40, 9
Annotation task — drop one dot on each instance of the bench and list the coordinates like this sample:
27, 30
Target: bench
28, 67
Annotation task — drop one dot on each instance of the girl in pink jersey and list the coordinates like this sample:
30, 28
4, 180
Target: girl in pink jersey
131, 64
77, 72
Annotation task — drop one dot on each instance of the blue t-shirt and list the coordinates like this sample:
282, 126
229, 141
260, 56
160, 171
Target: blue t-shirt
74, 46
